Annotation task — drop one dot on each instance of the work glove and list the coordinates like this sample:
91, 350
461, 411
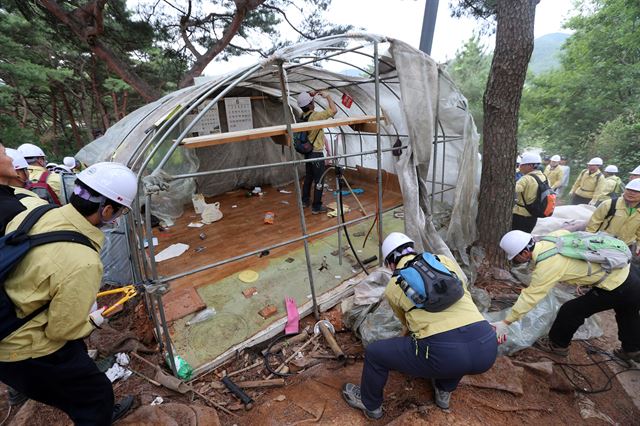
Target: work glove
96, 317
502, 329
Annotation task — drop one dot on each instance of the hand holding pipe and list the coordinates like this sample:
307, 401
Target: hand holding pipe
327, 330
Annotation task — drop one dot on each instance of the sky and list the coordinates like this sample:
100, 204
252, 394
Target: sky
402, 19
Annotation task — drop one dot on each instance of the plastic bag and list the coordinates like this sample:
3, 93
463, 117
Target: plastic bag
182, 367
537, 322
211, 213
379, 324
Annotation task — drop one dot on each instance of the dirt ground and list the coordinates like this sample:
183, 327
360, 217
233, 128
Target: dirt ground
541, 389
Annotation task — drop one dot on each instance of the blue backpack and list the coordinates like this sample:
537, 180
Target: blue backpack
428, 283
301, 141
14, 246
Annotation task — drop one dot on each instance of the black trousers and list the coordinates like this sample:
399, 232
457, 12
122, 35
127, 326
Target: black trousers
624, 300
313, 173
66, 379
576, 199
523, 223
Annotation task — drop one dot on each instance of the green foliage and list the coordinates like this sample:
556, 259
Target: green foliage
589, 106
470, 70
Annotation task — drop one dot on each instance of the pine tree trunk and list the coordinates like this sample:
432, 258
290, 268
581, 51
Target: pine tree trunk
514, 44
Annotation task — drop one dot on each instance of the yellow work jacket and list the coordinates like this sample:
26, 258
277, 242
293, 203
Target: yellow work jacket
31, 200
67, 274
554, 175
612, 184
561, 268
54, 180
526, 192
624, 224
317, 136
588, 184
422, 323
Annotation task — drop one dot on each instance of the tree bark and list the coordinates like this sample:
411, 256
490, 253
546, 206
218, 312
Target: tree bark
87, 24
514, 44
72, 119
243, 7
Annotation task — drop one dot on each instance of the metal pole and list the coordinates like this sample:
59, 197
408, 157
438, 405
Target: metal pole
428, 25
303, 224
378, 151
149, 238
165, 329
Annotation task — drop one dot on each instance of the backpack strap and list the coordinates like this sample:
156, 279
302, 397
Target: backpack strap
551, 252
43, 181
21, 196
610, 212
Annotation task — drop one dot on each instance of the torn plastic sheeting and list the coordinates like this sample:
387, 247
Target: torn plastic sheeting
371, 288
174, 250
115, 255
537, 322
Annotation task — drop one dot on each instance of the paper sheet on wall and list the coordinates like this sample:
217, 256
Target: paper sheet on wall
208, 124
239, 115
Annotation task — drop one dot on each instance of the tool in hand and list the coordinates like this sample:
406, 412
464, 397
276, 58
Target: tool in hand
129, 293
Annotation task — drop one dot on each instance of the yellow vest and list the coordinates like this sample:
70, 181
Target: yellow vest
422, 323
317, 136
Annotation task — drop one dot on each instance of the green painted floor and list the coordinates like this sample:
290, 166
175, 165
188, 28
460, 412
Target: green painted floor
237, 317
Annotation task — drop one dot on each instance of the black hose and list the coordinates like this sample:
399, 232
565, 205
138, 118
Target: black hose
346, 232
268, 352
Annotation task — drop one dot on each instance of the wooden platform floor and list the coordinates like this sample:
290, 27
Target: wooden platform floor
242, 230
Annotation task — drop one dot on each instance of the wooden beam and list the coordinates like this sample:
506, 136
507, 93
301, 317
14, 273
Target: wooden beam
271, 131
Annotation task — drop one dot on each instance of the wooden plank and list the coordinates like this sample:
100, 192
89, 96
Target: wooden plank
264, 132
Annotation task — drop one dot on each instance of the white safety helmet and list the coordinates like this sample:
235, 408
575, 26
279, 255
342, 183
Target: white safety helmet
50, 166
112, 180
636, 171
518, 159
18, 160
633, 185
611, 169
595, 161
392, 242
556, 158
70, 162
29, 150
530, 158
513, 242
304, 99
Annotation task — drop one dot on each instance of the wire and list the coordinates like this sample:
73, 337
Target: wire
346, 232
591, 350
266, 355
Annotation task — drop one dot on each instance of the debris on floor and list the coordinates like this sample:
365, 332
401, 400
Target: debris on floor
174, 250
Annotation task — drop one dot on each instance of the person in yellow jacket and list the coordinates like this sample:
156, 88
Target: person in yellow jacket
46, 359
526, 192
443, 346
28, 198
618, 290
623, 221
314, 171
49, 190
589, 183
554, 172
612, 186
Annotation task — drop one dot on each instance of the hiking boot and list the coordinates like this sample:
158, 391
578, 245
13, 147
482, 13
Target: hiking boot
319, 210
15, 397
121, 407
442, 397
351, 394
627, 356
545, 344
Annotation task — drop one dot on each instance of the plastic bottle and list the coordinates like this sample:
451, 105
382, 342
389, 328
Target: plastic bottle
183, 368
201, 316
